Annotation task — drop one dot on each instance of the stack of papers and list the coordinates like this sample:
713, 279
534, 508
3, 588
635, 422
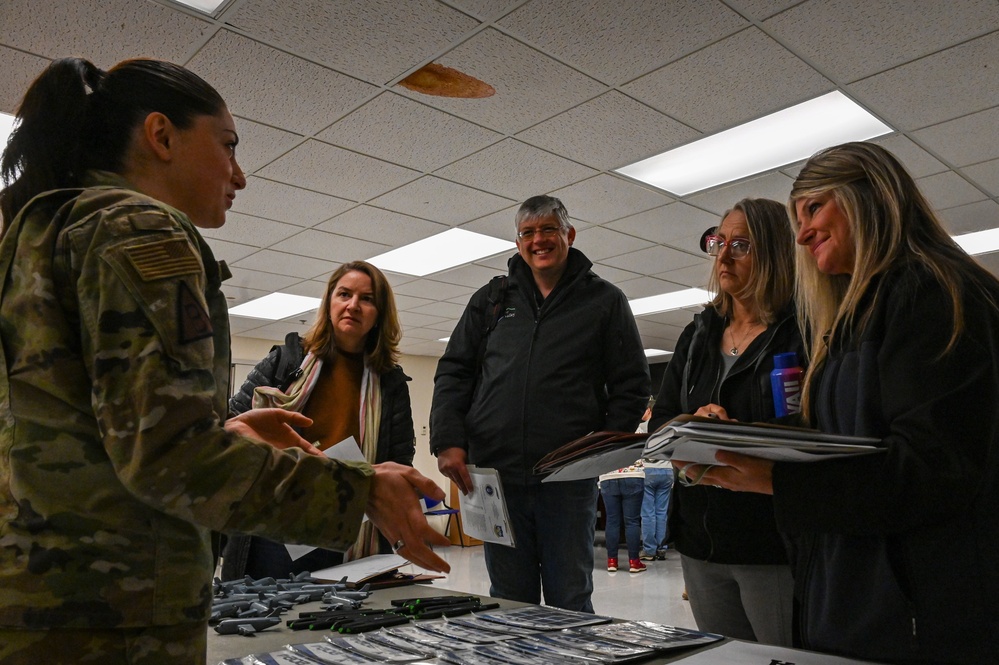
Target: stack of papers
696, 439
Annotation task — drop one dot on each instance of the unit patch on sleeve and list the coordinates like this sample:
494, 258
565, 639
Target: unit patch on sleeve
163, 259
193, 322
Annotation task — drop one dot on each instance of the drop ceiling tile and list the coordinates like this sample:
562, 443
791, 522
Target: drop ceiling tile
968, 140
310, 288
237, 295
613, 274
618, 41
486, 9
423, 333
672, 224
425, 288
375, 40
449, 310
970, 218
397, 279
246, 327
515, 170
762, 9
19, 70
646, 286
676, 318
776, 186
445, 328
745, 76
280, 263
916, 160
990, 261
605, 197
284, 203
470, 275
432, 349
252, 231
383, 226
695, 276
518, 73
411, 320
260, 144
599, 243
926, 91
244, 278
276, 330
326, 168
947, 190
500, 262
891, 33
499, 224
441, 201
399, 130
986, 175
230, 252
610, 131
103, 31
329, 246
648, 326
278, 89
652, 260
403, 303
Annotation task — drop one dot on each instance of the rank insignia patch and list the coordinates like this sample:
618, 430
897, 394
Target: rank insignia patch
193, 322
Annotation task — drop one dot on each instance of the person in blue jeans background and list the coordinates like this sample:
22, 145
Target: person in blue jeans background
657, 490
623, 491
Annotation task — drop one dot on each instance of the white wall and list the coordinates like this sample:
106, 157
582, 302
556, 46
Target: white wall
247, 352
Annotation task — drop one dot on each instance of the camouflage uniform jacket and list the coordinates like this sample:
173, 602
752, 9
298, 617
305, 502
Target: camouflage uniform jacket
113, 464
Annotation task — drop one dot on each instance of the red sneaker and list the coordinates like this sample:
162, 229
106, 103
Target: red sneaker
611, 564
636, 566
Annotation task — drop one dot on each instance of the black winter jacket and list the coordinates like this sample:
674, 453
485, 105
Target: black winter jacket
549, 374
709, 523
396, 436
896, 555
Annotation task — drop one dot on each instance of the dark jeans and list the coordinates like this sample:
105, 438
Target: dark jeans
655, 507
553, 525
623, 500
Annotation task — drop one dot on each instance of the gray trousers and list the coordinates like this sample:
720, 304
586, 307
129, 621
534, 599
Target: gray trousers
747, 602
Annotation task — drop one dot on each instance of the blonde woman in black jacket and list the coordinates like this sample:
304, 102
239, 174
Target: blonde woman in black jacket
895, 553
735, 566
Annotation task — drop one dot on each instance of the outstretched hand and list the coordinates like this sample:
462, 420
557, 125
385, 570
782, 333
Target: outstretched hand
394, 507
273, 426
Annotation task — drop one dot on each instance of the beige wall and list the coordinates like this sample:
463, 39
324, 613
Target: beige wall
247, 352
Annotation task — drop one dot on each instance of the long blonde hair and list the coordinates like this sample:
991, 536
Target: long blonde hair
889, 221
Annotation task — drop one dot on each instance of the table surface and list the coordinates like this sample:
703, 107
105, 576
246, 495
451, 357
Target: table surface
221, 647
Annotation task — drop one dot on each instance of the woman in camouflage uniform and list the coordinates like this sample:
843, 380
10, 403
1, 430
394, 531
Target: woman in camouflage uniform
114, 464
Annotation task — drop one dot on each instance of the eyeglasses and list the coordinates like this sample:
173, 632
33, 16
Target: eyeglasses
738, 248
544, 232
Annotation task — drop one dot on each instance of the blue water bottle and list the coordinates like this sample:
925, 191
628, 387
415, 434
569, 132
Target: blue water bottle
786, 383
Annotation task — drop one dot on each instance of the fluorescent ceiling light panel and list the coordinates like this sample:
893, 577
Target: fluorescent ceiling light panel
770, 142
652, 353
667, 301
276, 306
206, 6
980, 242
440, 252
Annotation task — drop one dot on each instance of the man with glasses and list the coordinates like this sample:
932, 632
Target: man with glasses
540, 357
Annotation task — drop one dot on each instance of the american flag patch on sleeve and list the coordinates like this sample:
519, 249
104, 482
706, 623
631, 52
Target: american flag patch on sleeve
163, 259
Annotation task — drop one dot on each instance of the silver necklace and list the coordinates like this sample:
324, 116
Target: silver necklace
734, 351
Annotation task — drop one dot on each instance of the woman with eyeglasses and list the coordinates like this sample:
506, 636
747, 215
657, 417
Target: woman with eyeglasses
735, 567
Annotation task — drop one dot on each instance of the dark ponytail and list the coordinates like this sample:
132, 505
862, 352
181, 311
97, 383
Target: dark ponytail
43, 151
76, 117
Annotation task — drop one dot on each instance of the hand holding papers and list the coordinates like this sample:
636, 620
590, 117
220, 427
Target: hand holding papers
483, 510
